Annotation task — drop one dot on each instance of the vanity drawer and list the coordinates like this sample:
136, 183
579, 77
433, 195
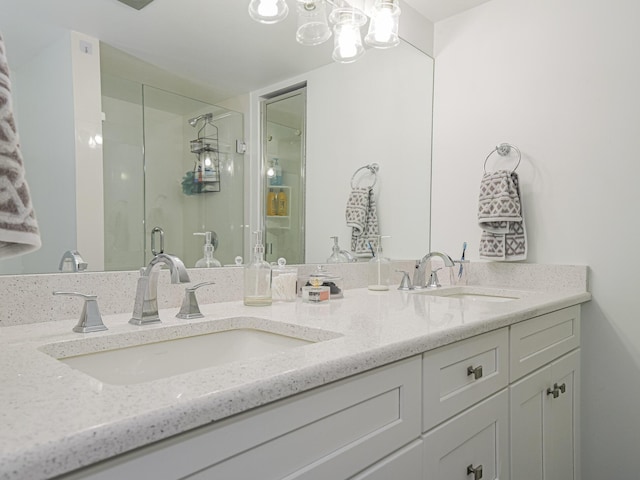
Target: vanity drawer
536, 342
459, 375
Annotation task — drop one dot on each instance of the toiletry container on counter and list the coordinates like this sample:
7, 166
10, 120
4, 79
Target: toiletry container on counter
257, 276
379, 270
322, 277
285, 282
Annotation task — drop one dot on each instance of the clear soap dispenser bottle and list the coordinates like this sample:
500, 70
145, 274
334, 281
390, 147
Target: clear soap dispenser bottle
207, 261
257, 276
336, 253
379, 269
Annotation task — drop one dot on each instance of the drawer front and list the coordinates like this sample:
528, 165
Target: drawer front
405, 464
334, 431
474, 444
459, 375
540, 340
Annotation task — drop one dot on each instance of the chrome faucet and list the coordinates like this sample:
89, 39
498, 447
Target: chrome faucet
145, 307
419, 276
72, 261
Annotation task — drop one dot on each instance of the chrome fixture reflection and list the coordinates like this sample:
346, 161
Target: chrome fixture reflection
346, 19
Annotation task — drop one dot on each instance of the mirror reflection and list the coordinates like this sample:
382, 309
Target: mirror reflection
376, 110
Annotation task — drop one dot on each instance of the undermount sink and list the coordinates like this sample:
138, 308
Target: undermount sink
164, 358
474, 294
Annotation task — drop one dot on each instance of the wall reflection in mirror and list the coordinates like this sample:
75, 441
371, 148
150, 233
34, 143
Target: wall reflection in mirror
109, 155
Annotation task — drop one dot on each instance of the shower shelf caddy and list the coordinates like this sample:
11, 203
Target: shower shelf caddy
206, 170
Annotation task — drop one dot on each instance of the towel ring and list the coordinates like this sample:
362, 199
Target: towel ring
503, 150
373, 170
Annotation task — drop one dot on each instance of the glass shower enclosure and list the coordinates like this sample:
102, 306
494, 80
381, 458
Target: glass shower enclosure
162, 168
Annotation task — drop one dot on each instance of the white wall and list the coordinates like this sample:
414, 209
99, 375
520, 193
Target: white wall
559, 79
46, 128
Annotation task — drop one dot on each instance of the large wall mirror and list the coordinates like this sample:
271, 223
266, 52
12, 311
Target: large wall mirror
170, 63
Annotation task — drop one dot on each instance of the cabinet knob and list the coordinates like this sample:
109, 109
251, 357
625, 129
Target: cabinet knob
557, 390
476, 372
476, 472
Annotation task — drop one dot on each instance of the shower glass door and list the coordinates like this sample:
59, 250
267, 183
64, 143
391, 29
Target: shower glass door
283, 127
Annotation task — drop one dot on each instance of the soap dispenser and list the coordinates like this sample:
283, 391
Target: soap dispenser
207, 261
257, 276
337, 254
379, 269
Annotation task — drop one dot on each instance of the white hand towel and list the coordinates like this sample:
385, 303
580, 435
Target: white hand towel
500, 215
361, 215
19, 232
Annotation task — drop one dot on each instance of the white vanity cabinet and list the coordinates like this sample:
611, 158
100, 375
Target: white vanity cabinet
332, 432
500, 405
545, 397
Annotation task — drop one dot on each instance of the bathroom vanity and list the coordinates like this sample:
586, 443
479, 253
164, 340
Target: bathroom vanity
475, 383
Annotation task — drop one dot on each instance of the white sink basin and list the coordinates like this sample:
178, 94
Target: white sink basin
161, 358
474, 294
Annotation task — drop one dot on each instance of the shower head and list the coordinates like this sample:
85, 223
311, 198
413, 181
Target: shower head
194, 121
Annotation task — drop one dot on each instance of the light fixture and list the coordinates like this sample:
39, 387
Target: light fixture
268, 11
347, 45
313, 28
383, 28
346, 18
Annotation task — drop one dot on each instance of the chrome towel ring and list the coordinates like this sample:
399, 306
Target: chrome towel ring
503, 150
373, 170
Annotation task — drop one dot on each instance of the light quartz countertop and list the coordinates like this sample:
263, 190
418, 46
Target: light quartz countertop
55, 419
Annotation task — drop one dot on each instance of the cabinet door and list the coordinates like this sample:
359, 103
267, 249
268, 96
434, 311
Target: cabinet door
477, 439
544, 427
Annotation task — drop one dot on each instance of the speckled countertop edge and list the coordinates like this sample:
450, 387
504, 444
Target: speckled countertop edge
90, 421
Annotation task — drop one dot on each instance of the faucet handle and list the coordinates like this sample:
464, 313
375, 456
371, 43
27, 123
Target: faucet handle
190, 308
433, 279
405, 283
90, 318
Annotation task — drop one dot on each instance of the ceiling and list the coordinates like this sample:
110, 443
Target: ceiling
436, 10
205, 40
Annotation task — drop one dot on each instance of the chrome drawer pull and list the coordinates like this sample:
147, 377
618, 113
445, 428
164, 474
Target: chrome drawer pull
563, 387
476, 472
476, 372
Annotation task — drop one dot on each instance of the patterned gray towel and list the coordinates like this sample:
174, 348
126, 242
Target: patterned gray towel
501, 218
361, 215
19, 232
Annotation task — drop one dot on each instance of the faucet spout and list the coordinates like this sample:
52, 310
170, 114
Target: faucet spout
145, 308
419, 276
